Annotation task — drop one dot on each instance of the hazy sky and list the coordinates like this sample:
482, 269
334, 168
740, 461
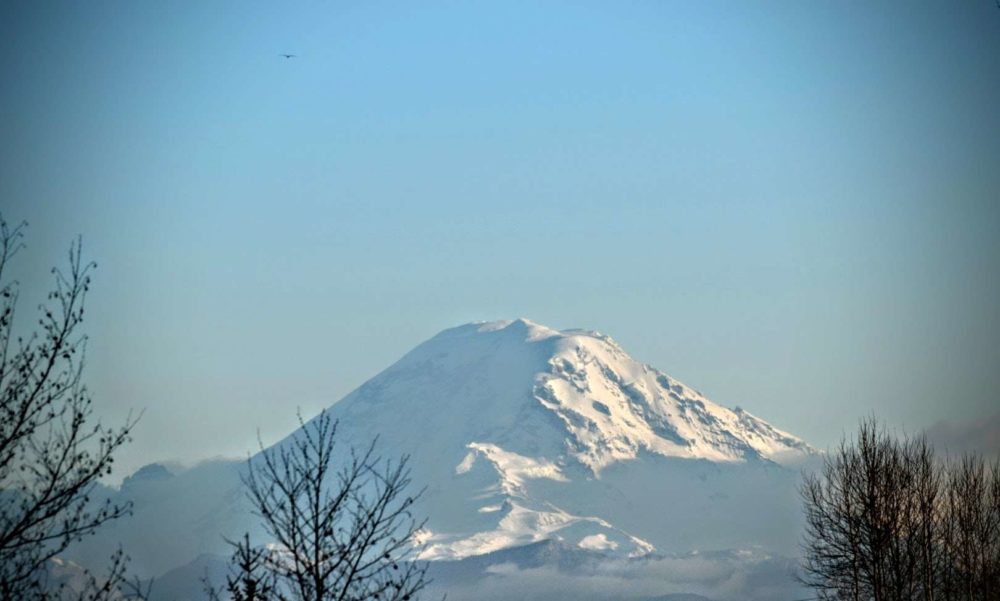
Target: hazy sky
791, 206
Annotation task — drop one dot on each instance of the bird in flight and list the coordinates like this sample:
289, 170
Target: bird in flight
288, 55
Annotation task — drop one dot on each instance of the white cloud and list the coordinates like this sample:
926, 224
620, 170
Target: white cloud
724, 576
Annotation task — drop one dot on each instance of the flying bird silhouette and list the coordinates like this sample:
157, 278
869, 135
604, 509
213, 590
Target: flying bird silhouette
288, 55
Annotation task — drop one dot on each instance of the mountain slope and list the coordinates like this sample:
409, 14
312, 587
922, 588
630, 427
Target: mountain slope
575, 395
522, 434
514, 426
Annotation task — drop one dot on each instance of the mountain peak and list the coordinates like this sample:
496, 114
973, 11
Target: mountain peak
505, 419
574, 395
521, 328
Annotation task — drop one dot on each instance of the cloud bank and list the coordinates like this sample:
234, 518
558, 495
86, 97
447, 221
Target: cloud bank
717, 576
971, 436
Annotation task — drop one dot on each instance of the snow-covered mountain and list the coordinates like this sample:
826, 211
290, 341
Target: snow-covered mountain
574, 396
502, 418
523, 434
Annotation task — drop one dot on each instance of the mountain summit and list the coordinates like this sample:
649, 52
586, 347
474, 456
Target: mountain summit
572, 395
516, 428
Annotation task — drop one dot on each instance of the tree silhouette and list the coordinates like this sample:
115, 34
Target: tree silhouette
249, 578
341, 532
51, 454
886, 520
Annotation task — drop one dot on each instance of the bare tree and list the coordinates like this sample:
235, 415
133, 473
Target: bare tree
887, 521
927, 498
832, 562
51, 454
341, 532
971, 538
249, 578
113, 585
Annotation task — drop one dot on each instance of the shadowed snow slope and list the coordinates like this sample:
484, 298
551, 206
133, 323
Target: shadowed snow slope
523, 434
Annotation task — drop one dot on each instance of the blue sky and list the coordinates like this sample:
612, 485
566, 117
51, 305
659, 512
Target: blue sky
792, 206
